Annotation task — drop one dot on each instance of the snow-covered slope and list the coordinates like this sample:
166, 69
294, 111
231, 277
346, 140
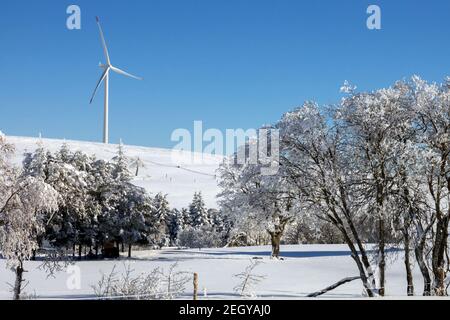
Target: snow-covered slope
175, 174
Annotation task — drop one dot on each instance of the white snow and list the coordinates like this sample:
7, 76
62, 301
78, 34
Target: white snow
174, 174
306, 269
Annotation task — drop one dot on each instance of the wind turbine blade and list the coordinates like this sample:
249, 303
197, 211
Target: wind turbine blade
99, 83
105, 48
117, 70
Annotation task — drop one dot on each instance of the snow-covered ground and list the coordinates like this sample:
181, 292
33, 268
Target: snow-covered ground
305, 269
179, 175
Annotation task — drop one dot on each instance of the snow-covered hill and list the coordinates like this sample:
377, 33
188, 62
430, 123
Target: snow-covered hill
177, 176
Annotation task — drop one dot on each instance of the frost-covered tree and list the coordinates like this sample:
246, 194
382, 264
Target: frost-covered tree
161, 213
128, 207
65, 172
23, 200
98, 202
115, 197
121, 163
175, 225
198, 212
432, 124
377, 159
187, 221
35, 164
377, 125
320, 170
200, 237
215, 218
266, 198
136, 210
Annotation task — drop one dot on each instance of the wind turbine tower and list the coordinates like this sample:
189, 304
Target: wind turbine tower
105, 78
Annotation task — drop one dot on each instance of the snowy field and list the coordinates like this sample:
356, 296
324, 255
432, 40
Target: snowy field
305, 269
179, 175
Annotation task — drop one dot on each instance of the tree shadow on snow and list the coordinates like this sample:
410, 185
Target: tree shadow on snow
285, 254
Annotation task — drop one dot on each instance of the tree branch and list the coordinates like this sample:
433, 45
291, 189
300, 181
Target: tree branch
332, 287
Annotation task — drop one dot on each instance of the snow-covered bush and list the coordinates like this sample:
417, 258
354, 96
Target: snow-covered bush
203, 237
156, 285
311, 232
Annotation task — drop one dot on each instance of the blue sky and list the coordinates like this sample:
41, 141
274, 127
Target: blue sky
229, 63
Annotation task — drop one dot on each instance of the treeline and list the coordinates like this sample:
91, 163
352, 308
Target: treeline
99, 204
68, 203
374, 168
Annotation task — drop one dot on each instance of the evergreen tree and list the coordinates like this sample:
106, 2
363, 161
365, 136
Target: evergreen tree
71, 224
198, 211
35, 164
121, 171
175, 225
187, 221
161, 213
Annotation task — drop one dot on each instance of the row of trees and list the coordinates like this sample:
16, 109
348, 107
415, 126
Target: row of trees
198, 227
375, 167
98, 203
63, 201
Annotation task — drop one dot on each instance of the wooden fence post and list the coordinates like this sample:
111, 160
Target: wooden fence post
195, 286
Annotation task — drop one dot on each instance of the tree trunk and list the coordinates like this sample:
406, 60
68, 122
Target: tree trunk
363, 262
382, 261
122, 247
438, 257
18, 282
275, 238
80, 249
129, 250
354, 232
355, 256
277, 234
409, 276
423, 269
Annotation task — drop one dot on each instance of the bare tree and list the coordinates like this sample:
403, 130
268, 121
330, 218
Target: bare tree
248, 280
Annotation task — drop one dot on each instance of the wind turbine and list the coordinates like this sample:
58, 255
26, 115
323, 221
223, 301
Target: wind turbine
105, 78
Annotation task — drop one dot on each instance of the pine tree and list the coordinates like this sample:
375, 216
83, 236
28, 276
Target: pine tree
121, 171
72, 223
198, 212
185, 215
135, 208
161, 213
35, 164
175, 225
